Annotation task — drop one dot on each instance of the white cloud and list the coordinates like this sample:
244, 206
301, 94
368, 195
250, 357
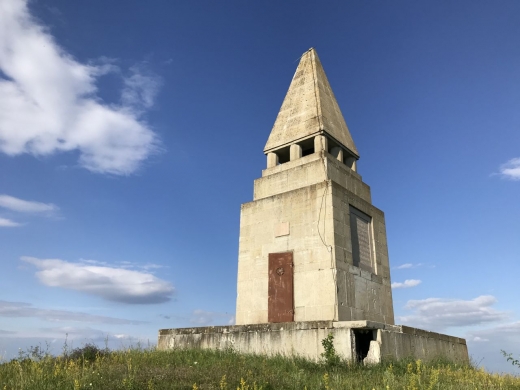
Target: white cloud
140, 89
4, 222
58, 339
406, 284
206, 318
48, 101
26, 206
439, 313
485, 345
511, 169
412, 265
110, 283
128, 264
511, 328
81, 334
26, 310
72, 333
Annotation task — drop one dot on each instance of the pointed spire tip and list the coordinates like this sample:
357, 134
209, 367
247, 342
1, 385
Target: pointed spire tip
309, 108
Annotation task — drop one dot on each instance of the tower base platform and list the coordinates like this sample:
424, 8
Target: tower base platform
364, 341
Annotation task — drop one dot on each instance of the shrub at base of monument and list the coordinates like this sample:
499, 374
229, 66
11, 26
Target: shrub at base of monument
329, 355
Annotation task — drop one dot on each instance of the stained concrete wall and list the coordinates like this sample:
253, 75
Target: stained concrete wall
304, 339
289, 339
314, 287
422, 344
308, 170
362, 295
310, 198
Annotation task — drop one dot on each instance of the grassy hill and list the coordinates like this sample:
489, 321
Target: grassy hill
195, 369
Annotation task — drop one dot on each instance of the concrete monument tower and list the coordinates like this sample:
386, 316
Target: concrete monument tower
313, 257
312, 246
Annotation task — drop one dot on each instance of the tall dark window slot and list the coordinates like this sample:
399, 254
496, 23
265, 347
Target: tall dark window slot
361, 233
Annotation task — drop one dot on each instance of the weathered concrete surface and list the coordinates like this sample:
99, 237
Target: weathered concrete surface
306, 171
304, 339
311, 202
422, 344
309, 108
302, 204
312, 195
374, 353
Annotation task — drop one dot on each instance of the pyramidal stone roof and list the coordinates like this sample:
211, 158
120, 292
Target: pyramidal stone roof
309, 108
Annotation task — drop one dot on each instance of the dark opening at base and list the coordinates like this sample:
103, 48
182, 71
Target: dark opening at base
362, 339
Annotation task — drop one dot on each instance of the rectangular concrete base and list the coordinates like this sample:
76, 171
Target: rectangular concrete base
365, 341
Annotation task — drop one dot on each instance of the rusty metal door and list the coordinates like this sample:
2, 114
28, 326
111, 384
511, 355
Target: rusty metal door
280, 292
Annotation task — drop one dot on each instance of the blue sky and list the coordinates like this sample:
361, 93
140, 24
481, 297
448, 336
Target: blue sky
131, 132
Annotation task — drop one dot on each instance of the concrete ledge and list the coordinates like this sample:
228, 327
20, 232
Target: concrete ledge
358, 324
291, 164
267, 327
304, 339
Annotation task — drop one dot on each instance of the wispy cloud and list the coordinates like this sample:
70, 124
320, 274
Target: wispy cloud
485, 345
111, 283
140, 88
413, 265
55, 340
125, 264
80, 333
205, 318
407, 283
26, 310
26, 206
49, 102
511, 169
13, 204
439, 313
4, 222
512, 328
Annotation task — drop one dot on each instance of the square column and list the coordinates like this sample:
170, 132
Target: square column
337, 152
320, 143
296, 152
272, 160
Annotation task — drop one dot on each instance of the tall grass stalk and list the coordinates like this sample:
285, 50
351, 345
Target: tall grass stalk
227, 370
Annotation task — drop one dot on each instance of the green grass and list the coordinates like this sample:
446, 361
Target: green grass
197, 369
